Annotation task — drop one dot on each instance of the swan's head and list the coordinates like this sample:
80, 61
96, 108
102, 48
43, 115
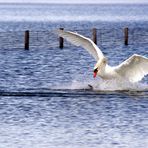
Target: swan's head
100, 66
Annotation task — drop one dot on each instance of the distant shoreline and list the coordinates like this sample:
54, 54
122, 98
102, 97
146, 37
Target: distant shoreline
42, 3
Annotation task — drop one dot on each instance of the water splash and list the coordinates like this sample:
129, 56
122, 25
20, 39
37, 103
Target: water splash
113, 85
104, 85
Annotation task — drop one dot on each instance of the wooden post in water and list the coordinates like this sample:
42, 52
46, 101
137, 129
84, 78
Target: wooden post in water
61, 41
94, 35
26, 44
126, 36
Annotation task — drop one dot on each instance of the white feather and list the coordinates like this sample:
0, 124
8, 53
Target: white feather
134, 68
82, 41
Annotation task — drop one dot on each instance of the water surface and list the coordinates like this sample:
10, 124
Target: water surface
45, 100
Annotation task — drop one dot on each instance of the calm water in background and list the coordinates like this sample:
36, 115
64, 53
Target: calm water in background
47, 103
43, 16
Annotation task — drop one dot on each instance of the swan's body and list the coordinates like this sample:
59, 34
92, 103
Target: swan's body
133, 69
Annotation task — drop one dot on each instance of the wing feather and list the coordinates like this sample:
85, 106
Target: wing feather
82, 41
134, 68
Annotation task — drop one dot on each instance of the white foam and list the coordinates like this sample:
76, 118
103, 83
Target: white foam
113, 85
103, 85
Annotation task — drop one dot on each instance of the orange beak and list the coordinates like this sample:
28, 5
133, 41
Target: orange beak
95, 74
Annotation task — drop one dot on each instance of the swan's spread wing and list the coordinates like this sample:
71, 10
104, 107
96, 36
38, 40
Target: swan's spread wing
82, 41
134, 68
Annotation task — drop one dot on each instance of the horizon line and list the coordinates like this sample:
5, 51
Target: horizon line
73, 3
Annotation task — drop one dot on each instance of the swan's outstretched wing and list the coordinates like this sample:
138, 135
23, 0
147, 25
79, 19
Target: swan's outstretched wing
82, 41
134, 68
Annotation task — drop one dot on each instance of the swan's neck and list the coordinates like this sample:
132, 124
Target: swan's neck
107, 72
103, 69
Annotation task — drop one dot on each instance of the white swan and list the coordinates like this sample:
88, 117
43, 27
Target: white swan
133, 69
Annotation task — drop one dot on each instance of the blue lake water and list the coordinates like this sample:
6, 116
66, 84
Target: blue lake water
44, 96
47, 16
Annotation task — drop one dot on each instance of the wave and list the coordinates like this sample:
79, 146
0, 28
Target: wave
79, 88
103, 85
